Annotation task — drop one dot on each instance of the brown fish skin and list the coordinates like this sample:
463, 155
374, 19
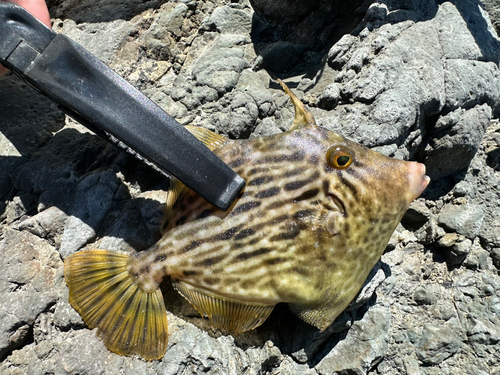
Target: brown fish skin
302, 232
314, 218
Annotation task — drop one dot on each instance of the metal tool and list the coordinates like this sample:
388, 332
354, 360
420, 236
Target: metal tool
90, 92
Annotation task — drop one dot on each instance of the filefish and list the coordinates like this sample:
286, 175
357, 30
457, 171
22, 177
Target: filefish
315, 216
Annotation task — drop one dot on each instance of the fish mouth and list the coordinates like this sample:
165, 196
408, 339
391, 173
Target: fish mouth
418, 180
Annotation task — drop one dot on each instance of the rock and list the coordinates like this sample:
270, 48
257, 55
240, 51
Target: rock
482, 331
495, 255
375, 278
19, 138
229, 20
437, 343
364, 345
477, 258
418, 213
265, 128
243, 115
424, 296
330, 96
449, 239
92, 201
465, 219
112, 35
491, 234
27, 285
219, 68
452, 150
252, 84
459, 251
46, 224
462, 189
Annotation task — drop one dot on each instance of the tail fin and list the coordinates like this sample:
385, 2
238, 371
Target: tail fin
129, 320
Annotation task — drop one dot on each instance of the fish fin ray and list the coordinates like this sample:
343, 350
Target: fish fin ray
318, 218
129, 320
210, 139
176, 190
303, 116
320, 317
224, 313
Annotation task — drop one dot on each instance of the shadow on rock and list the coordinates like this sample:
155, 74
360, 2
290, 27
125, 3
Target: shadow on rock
293, 37
82, 11
70, 179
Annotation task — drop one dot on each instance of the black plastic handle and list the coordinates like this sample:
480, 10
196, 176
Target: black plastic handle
94, 95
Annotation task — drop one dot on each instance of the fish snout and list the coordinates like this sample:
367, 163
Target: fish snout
418, 179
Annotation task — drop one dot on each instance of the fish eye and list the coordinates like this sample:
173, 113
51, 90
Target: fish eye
339, 157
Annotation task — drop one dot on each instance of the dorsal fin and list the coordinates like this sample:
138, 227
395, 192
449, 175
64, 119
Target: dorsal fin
303, 116
207, 137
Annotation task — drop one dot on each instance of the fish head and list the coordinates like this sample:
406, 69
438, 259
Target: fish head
367, 193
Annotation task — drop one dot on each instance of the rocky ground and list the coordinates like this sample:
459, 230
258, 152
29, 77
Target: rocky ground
413, 79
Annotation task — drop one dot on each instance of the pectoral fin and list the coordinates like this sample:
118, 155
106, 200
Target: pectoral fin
224, 313
319, 218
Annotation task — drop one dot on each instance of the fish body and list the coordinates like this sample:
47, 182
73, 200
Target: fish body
314, 218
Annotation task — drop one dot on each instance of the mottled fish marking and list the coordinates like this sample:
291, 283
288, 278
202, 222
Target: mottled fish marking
314, 218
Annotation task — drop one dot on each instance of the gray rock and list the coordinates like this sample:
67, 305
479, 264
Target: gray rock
491, 233
482, 331
364, 345
375, 278
27, 285
462, 189
495, 256
243, 116
462, 43
330, 97
252, 84
112, 35
478, 257
266, 128
424, 296
228, 20
91, 204
219, 68
46, 224
465, 219
418, 213
20, 137
451, 150
436, 343
173, 21
459, 251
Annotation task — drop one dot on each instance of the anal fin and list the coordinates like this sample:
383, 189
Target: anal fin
224, 313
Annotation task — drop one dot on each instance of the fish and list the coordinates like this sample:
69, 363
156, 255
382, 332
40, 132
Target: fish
314, 218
